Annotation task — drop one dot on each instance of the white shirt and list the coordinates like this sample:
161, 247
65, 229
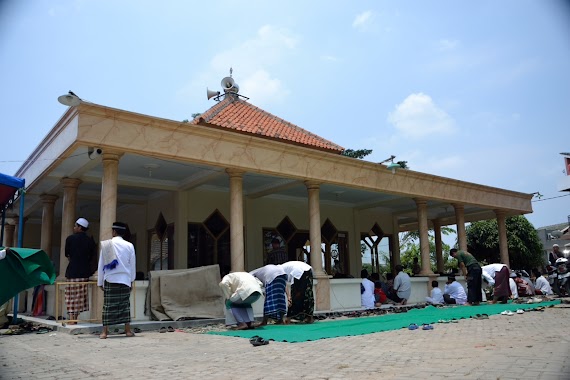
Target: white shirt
456, 291
490, 270
543, 285
436, 296
268, 273
126, 270
367, 298
240, 285
403, 285
295, 269
513, 286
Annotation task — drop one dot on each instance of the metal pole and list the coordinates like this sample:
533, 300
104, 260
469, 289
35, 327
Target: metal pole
20, 242
3, 222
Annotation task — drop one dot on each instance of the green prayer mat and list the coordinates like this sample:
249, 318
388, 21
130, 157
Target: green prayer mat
368, 325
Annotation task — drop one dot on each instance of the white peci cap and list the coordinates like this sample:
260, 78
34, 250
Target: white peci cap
82, 222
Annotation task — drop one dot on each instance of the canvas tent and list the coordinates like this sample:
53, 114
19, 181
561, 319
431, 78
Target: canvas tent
10, 189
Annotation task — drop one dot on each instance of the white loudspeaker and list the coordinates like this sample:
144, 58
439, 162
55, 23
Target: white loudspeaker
228, 83
211, 93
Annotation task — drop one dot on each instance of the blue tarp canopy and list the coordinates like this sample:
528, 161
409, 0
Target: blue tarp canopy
9, 186
10, 189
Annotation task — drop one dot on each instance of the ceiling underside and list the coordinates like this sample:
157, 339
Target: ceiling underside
142, 178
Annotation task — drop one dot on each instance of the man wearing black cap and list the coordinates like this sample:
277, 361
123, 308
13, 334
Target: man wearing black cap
472, 271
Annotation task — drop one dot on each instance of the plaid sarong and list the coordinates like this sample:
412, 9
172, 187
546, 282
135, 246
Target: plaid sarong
116, 304
76, 296
275, 305
302, 297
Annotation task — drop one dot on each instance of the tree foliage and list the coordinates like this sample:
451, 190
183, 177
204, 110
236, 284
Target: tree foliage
358, 153
410, 249
524, 245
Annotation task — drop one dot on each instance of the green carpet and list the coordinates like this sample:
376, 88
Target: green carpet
368, 325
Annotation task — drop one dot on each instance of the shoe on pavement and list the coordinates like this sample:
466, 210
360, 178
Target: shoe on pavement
520, 311
507, 312
412, 326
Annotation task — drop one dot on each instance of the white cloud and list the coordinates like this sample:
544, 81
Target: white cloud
362, 20
253, 61
260, 85
329, 58
418, 116
446, 45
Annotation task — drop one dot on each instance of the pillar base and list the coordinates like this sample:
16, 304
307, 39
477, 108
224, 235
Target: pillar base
323, 293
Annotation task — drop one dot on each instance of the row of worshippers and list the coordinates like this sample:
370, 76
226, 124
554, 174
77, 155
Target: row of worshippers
374, 292
506, 285
282, 302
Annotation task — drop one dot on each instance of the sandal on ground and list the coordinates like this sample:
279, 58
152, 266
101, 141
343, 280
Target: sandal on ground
162, 330
412, 326
258, 341
170, 329
427, 327
507, 312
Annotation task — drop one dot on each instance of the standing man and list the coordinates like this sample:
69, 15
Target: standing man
472, 271
497, 275
79, 249
555, 254
277, 255
402, 286
117, 271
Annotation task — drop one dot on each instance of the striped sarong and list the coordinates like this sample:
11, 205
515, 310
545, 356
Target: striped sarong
116, 304
76, 296
302, 297
275, 305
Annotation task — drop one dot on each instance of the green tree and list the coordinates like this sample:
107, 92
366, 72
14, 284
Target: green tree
359, 153
410, 249
524, 245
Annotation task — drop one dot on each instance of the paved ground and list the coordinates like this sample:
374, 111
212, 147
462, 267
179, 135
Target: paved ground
533, 345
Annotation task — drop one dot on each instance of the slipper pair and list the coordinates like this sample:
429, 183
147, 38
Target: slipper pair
258, 341
165, 329
425, 326
481, 316
507, 312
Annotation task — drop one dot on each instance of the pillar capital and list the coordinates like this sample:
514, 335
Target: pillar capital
420, 201
70, 182
500, 213
48, 198
110, 155
235, 172
458, 206
312, 185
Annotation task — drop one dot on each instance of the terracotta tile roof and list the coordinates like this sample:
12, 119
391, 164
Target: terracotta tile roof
238, 115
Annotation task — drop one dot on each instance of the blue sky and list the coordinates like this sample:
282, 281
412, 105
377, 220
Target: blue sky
478, 91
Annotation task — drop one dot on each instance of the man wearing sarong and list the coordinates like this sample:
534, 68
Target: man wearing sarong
117, 271
302, 300
497, 275
472, 271
79, 249
241, 290
274, 279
